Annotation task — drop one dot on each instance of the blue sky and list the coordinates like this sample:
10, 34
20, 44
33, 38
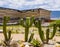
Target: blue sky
52, 5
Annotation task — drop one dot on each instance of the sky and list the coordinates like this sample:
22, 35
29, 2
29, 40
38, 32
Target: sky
29, 4
52, 5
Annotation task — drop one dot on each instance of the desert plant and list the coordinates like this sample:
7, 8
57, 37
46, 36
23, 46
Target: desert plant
35, 43
31, 37
7, 35
47, 35
41, 33
54, 31
38, 25
27, 23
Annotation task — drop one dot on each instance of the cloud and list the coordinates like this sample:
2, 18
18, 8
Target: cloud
2, 3
27, 4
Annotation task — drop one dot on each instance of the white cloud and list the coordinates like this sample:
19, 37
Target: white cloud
2, 3
47, 4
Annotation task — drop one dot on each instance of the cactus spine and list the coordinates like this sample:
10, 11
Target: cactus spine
27, 23
41, 33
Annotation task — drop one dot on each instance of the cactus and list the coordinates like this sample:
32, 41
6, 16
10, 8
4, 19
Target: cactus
27, 23
4, 27
7, 35
31, 37
41, 33
38, 25
54, 31
47, 35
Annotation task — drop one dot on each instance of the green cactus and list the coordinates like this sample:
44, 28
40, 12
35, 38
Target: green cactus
54, 31
7, 35
41, 33
47, 35
4, 27
27, 23
31, 37
38, 25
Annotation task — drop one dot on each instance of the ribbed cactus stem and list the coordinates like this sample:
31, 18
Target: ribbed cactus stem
41, 34
54, 31
47, 35
4, 28
26, 33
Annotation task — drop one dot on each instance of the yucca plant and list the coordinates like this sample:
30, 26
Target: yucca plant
7, 35
41, 33
27, 23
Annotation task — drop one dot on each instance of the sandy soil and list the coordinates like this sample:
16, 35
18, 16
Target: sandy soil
21, 37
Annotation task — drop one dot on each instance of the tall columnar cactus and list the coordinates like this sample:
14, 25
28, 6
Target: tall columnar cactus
7, 35
4, 27
27, 22
41, 33
38, 25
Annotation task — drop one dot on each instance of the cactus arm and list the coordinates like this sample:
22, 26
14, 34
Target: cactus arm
41, 34
54, 31
21, 22
4, 28
31, 20
31, 37
47, 36
9, 35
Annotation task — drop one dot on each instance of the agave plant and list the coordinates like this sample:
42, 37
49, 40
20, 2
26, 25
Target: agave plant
7, 35
41, 32
27, 23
